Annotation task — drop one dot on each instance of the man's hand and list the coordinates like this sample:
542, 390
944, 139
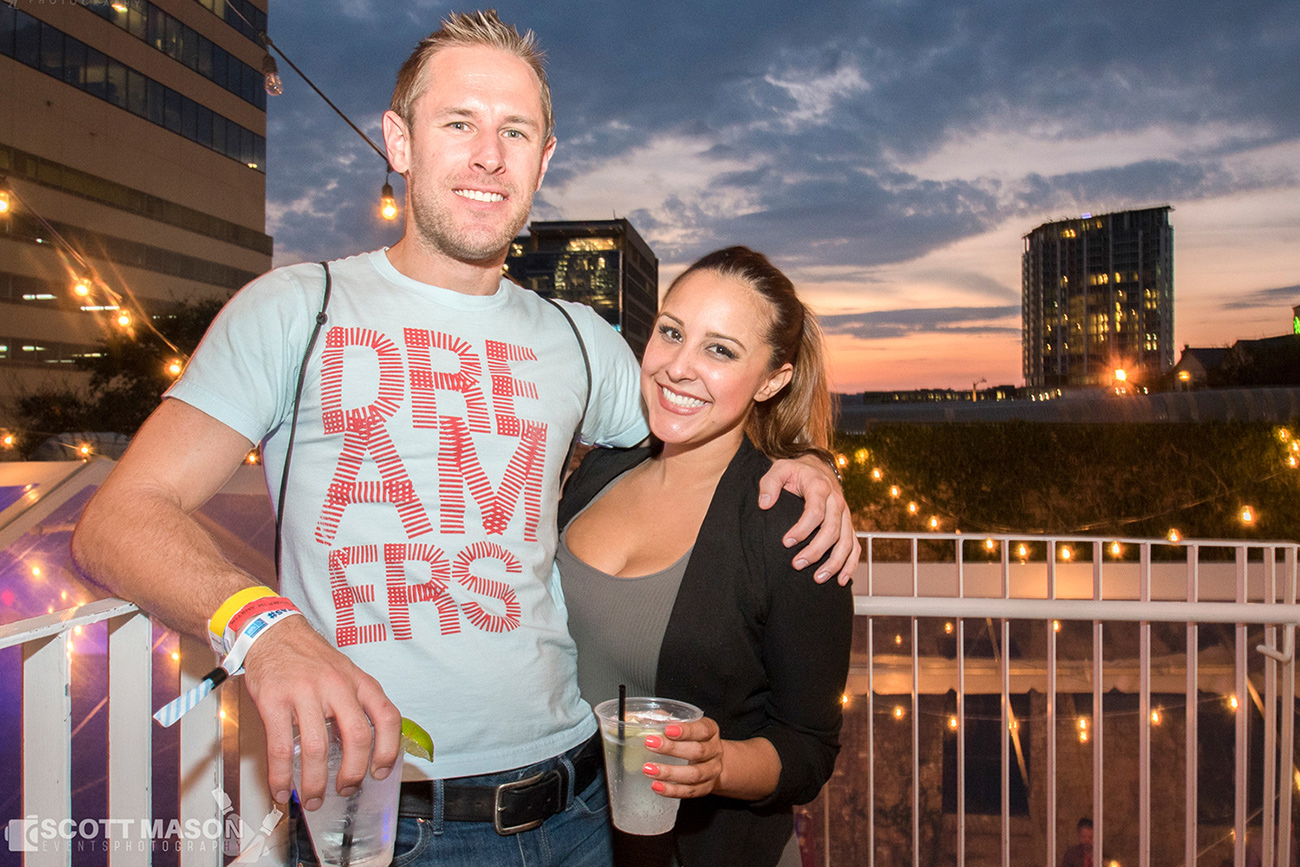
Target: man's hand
812, 478
296, 677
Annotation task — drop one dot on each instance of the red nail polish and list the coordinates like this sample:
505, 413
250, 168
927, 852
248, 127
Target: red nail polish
650, 770
653, 742
658, 786
673, 731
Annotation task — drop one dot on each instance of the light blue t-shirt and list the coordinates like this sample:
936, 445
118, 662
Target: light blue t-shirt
419, 527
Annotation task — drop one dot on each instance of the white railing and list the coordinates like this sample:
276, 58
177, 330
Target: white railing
1040, 583
931, 576
128, 832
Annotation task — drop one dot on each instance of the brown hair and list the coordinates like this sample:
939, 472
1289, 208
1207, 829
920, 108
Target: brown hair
797, 419
467, 29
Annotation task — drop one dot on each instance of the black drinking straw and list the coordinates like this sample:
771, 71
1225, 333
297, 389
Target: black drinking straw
622, 708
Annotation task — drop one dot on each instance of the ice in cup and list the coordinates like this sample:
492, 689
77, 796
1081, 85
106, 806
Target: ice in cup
359, 830
635, 807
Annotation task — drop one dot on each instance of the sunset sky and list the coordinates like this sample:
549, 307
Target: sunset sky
889, 155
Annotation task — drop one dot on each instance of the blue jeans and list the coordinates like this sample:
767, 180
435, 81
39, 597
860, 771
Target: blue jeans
577, 837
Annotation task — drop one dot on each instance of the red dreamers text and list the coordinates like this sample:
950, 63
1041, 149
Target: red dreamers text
366, 436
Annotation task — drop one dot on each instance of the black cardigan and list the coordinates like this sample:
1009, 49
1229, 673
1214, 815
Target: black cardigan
759, 646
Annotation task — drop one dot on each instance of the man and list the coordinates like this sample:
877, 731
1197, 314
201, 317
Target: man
419, 524
1080, 854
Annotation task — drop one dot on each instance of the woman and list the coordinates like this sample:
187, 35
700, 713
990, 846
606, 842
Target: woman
678, 585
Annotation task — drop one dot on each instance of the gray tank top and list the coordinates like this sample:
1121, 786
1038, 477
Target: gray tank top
617, 623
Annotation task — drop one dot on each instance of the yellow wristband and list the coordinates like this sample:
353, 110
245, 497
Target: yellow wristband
237, 600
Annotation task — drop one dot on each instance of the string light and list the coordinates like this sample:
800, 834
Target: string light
1065, 552
1174, 535
844, 699
1247, 515
952, 723
861, 456
989, 545
174, 367
1232, 702
841, 461
898, 640
388, 204
1056, 626
82, 287
947, 627
252, 458
8, 440
934, 522
1116, 549
5, 203
84, 450
894, 491
878, 475
1155, 717
912, 507
898, 711
1022, 552
124, 319
176, 657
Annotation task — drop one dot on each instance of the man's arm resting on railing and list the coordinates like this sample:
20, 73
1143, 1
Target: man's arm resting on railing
137, 538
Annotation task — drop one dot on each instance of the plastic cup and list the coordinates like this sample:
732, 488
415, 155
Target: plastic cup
359, 830
635, 807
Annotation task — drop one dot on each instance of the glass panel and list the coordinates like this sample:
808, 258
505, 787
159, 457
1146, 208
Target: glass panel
157, 27
245, 145
117, 83
189, 119
137, 21
137, 93
205, 57
171, 37
219, 124
203, 131
253, 81
259, 152
27, 40
157, 101
51, 51
189, 47
172, 113
7, 29
96, 73
74, 62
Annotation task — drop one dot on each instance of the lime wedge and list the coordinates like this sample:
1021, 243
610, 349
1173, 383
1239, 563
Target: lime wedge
416, 741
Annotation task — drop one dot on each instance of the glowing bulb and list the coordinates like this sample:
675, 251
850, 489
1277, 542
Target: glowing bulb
388, 205
1184, 376
1247, 515
176, 657
989, 545
844, 699
861, 456
898, 640
952, 723
911, 508
1293, 461
1083, 736
222, 713
36, 571
947, 627
841, 461
1121, 375
77, 630
934, 523
894, 491
8, 440
251, 457
1014, 726
119, 7
123, 319
1083, 722
898, 711
1155, 717
174, 367
271, 76
1115, 549
82, 287
1232, 702
1022, 551
1174, 535
1056, 626
1065, 554
877, 474
84, 450
5, 204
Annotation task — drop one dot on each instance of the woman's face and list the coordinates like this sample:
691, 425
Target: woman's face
708, 360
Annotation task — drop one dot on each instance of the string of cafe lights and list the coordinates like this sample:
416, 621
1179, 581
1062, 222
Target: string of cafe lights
1246, 514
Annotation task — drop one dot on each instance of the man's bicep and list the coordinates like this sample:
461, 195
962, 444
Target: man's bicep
614, 414
180, 452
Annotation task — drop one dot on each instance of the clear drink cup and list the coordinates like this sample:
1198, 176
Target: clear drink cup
359, 830
635, 807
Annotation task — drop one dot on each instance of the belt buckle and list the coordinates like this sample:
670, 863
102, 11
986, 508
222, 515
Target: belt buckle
498, 807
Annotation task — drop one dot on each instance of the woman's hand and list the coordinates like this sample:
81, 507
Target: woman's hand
700, 745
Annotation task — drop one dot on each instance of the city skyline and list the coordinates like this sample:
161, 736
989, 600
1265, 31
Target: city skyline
889, 157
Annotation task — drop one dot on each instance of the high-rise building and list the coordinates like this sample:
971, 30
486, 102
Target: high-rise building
133, 158
604, 264
1098, 297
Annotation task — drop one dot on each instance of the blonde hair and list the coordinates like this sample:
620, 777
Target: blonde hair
798, 419
463, 30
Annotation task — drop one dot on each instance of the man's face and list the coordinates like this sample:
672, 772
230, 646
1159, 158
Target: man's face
1085, 836
474, 153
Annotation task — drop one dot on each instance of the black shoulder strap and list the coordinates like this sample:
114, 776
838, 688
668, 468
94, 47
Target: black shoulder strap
586, 363
321, 318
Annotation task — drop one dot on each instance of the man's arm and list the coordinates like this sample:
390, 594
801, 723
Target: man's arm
824, 506
137, 538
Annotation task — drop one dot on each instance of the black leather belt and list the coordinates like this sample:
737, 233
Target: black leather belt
511, 807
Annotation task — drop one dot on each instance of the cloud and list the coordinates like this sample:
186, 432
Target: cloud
886, 324
1283, 295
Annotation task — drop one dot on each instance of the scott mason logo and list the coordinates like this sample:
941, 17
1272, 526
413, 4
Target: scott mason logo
35, 834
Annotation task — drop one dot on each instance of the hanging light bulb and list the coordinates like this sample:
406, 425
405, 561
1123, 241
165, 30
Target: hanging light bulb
174, 367
387, 204
82, 287
5, 203
124, 319
1247, 515
271, 76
